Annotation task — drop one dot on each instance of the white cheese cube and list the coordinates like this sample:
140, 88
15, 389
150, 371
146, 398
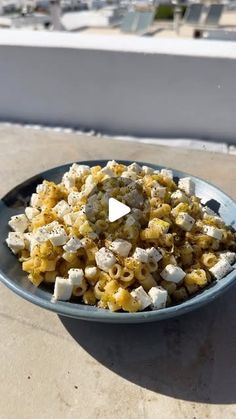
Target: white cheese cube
73, 198
173, 273
120, 247
154, 254
62, 208
157, 191
142, 297
147, 170
229, 256
129, 175
76, 276
28, 237
158, 297
72, 245
208, 211
42, 188
179, 196
187, 185
19, 223
68, 180
221, 269
15, 241
214, 232
89, 185
111, 163
62, 289
31, 212
36, 201
108, 172
141, 255
58, 236
104, 259
134, 167
41, 235
80, 169
167, 173
185, 221
71, 217
130, 221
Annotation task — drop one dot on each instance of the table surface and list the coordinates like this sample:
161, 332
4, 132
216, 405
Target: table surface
54, 367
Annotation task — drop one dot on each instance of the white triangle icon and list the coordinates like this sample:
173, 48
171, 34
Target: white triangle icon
116, 210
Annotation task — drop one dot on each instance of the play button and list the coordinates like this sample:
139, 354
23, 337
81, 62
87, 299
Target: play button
116, 209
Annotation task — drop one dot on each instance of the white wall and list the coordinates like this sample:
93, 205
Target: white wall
161, 93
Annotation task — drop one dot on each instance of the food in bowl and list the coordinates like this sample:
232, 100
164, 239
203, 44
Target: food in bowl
166, 249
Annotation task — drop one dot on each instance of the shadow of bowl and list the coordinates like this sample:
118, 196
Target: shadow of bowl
190, 358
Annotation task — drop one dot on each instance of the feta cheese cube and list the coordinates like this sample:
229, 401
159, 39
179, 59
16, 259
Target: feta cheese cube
173, 273
142, 297
129, 175
221, 269
58, 236
36, 201
73, 198
214, 232
108, 172
31, 212
134, 167
229, 256
72, 245
68, 180
208, 211
141, 255
120, 247
90, 184
158, 297
15, 241
76, 276
130, 221
80, 169
104, 259
42, 188
62, 208
62, 289
157, 191
178, 196
28, 237
147, 170
154, 254
185, 221
71, 217
19, 223
187, 185
111, 163
167, 173
41, 235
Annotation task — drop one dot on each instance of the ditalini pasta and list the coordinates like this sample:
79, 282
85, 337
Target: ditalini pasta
165, 250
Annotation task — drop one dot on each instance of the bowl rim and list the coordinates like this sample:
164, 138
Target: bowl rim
71, 309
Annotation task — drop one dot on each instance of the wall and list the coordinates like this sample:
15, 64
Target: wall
159, 93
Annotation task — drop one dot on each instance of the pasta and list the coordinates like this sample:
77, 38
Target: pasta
164, 251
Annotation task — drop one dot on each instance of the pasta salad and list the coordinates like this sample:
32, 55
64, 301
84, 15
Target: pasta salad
165, 250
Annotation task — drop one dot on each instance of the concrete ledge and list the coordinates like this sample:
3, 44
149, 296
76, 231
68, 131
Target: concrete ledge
161, 88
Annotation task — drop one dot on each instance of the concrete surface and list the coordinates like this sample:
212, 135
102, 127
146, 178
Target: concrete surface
54, 367
122, 85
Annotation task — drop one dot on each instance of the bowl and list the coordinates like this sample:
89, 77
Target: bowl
13, 277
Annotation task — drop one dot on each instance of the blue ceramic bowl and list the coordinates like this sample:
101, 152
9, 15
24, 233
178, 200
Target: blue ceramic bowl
14, 278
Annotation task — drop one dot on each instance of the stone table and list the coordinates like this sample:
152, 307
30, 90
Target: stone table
54, 367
